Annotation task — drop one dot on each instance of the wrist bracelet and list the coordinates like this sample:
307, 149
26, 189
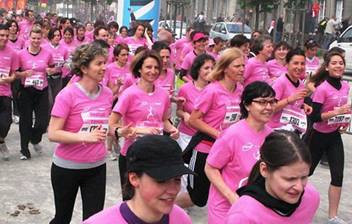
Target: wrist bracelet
117, 133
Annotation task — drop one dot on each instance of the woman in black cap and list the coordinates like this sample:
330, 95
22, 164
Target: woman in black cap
154, 179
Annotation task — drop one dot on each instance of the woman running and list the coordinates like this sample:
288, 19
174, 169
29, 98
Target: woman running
137, 40
233, 154
331, 114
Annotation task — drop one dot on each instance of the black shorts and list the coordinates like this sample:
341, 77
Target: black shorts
198, 185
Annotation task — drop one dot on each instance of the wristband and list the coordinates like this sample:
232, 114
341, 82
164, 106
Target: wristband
117, 133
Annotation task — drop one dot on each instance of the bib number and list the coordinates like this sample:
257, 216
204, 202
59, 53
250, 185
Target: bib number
35, 80
340, 119
87, 128
294, 118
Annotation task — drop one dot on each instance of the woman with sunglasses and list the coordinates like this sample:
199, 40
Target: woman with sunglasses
237, 150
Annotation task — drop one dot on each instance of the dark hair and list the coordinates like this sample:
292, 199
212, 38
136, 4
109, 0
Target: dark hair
101, 43
118, 48
258, 44
63, 21
84, 55
193, 33
127, 189
52, 32
198, 62
98, 23
337, 49
218, 40
136, 27
27, 11
123, 27
9, 24
322, 73
160, 45
4, 27
281, 44
70, 30
239, 40
280, 148
80, 26
113, 24
294, 52
139, 59
254, 90
140, 49
97, 30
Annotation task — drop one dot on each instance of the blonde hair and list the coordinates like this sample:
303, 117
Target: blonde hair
36, 29
226, 58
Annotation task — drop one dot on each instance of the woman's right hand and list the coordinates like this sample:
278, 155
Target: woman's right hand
97, 135
345, 109
300, 94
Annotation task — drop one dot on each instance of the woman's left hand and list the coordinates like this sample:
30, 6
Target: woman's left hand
307, 109
174, 133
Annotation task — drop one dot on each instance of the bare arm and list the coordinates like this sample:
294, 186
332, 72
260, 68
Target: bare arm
196, 121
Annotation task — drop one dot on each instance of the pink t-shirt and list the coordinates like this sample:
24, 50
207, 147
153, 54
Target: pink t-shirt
276, 69
178, 47
167, 82
191, 94
220, 108
216, 56
82, 114
16, 45
134, 43
330, 98
8, 64
234, 154
113, 72
59, 53
284, 88
71, 47
38, 64
89, 35
142, 109
25, 28
188, 61
250, 211
84, 41
312, 65
113, 215
255, 70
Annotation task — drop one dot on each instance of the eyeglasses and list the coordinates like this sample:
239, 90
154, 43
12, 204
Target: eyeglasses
265, 102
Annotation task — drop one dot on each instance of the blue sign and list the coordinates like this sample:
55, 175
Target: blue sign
143, 10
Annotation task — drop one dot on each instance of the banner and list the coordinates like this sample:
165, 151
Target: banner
143, 11
10, 4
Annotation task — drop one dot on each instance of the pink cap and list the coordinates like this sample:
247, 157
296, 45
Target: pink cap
199, 36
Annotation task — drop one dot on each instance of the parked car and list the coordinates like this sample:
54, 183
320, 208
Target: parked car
169, 24
226, 30
344, 41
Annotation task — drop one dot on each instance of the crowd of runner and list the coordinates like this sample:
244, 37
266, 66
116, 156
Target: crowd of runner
236, 125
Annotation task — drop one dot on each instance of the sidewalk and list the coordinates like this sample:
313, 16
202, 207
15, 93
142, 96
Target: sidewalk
27, 183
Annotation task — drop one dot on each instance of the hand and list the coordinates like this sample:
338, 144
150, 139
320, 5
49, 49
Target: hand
97, 135
50, 71
343, 129
7, 79
28, 73
127, 131
180, 101
307, 109
119, 82
174, 133
300, 94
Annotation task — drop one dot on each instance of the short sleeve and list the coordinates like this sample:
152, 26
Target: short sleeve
248, 70
186, 64
122, 104
62, 105
222, 151
278, 88
319, 95
205, 101
14, 62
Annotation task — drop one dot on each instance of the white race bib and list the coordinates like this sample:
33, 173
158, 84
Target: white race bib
4, 72
296, 119
36, 80
340, 119
93, 120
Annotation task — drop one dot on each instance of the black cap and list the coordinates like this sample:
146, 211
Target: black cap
158, 156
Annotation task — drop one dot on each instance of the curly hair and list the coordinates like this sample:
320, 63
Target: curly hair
84, 55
